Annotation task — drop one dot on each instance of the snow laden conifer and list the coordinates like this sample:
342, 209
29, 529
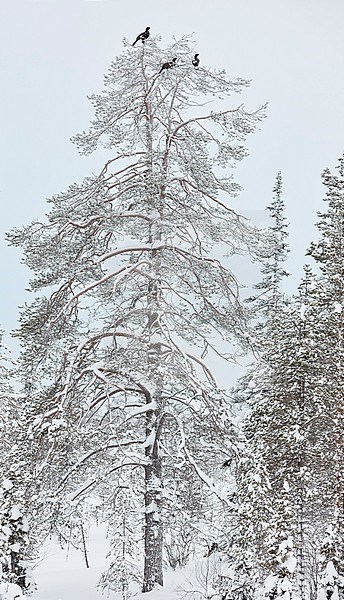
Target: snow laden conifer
136, 296
328, 423
273, 484
296, 420
280, 425
284, 391
270, 299
257, 517
15, 540
251, 530
331, 581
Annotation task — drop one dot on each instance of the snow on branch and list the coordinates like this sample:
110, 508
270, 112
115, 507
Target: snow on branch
202, 475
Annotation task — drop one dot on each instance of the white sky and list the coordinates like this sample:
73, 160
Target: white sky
53, 53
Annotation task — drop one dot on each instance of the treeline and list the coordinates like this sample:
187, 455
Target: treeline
290, 485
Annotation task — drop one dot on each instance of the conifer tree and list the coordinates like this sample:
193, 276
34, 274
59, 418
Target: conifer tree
273, 259
15, 540
258, 517
280, 390
331, 580
303, 401
280, 424
328, 252
114, 352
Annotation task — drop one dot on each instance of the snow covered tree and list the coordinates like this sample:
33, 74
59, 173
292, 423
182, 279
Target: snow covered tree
280, 426
15, 542
281, 584
328, 421
256, 532
252, 533
281, 391
274, 255
296, 421
331, 583
137, 296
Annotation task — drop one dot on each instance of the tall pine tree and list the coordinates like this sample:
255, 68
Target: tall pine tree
114, 354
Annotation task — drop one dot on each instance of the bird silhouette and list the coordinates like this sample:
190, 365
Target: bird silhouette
195, 60
168, 65
143, 36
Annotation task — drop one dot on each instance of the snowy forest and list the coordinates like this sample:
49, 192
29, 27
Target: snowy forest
112, 414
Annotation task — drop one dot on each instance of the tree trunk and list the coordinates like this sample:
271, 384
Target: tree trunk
153, 540
300, 540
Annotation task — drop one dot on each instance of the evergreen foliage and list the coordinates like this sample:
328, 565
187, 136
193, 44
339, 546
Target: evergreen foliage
328, 252
15, 539
295, 425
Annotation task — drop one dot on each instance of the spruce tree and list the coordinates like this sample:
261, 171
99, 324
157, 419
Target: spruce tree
279, 390
274, 255
328, 253
15, 537
258, 516
280, 425
297, 414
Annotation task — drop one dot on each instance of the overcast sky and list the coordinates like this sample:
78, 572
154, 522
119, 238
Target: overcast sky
53, 53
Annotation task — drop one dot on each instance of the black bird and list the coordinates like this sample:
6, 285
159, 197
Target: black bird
213, 548
168, 65
195, 60
143, 36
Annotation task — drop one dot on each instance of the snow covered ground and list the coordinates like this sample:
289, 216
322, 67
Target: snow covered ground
62, 575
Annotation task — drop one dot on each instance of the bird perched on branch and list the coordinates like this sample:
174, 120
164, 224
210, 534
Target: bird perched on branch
195, 60
213, 548
143, 36
168, 65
